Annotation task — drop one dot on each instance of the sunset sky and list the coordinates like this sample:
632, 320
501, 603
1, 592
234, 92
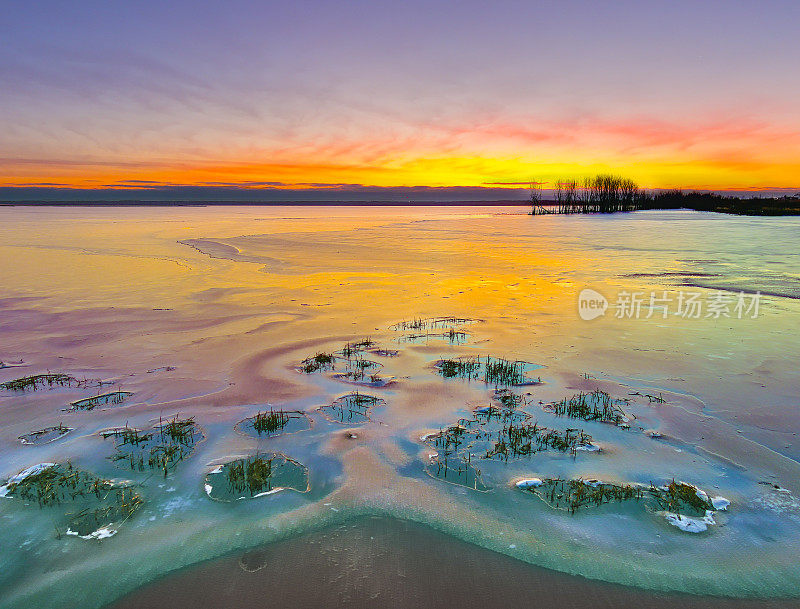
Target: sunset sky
341, 96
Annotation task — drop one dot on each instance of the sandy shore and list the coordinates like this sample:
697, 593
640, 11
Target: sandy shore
380, 562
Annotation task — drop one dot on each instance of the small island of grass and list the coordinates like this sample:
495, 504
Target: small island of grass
272, 423
39, 381
351, 409
256, 476
490, 370
161, 448
45, 436
95, 505
111, 399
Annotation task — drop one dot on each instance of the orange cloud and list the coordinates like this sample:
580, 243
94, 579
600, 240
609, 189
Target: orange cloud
719, 154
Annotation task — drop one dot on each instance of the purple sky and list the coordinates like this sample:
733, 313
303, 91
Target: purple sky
399, 94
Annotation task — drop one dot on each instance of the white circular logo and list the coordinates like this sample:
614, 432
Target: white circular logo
591, 304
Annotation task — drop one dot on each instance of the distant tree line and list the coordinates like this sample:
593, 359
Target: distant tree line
708, 201
606, 193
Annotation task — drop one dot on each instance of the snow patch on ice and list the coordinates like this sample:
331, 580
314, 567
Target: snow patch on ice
529, 483
4, 489
690, 525
101, 533
265, 493
720, 503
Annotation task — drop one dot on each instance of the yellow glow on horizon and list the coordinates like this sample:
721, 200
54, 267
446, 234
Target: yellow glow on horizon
426, 171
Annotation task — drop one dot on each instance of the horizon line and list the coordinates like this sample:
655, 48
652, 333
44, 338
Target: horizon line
186, 194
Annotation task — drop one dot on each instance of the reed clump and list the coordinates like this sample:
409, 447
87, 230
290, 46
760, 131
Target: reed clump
270, 422
160, 448
595, 406
680, 497
37, 381
657, 399
58, 484
453, 461
351, 349
98, 501
460, 368
48, 434
499, 371
413, 324
351, 356
440, 328
432, 323
256, 476
178, 430
495, 432
128, 435
524, 439
489, 415
253, 475
124, 504
491, 370
351, 408
453, 336
320, 362
504, 434
460, 471
112, 398
274, 422
450, 439
509, 399
576, 494
357, 369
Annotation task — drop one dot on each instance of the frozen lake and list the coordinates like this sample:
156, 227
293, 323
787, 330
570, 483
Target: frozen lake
214, 315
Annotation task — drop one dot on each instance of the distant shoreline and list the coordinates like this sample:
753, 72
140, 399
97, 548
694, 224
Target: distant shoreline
731, 206
511, 203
